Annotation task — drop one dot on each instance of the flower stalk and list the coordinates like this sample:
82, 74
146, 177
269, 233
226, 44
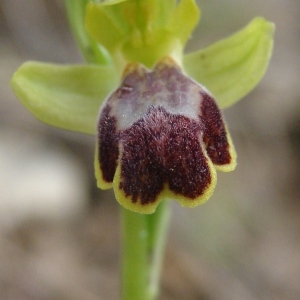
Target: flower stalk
143, 244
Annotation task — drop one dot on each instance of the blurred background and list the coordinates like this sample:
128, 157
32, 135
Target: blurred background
59, 234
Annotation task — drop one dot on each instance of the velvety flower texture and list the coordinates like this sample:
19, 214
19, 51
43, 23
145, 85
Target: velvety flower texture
161, 135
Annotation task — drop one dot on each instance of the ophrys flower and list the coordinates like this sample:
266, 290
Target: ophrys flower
160, 131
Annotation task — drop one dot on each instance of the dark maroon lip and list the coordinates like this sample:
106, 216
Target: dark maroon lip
161, 143
163, 149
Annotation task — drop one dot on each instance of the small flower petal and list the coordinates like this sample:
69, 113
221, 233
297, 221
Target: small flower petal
184, 19
161, 135
106, 24
232, 67
68, 97
142, 31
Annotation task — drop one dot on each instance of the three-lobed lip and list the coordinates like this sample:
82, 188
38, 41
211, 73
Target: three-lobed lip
161, 135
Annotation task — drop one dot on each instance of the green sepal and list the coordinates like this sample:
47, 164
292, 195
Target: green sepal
231, 68
106, 24
184, 19
142, 31
68, 97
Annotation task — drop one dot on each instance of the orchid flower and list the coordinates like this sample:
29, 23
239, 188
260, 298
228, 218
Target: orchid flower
156, 111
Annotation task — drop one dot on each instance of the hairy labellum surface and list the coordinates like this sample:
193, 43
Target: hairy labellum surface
161, 136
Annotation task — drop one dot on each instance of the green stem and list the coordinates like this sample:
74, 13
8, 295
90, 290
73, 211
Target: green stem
143, 243
91, 50
134, 256
158, 229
